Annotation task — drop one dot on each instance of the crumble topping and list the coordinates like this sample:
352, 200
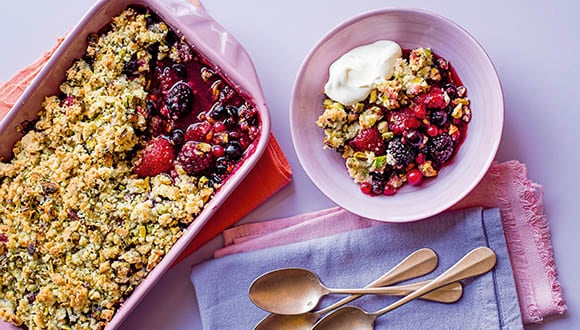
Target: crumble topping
78, 229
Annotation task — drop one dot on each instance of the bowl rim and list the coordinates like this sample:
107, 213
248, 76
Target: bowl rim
302, 158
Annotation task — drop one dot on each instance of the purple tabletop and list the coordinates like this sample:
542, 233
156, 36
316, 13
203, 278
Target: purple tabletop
533, 47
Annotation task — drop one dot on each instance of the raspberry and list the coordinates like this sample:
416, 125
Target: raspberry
436, 98
440, 148
198, 131
195, 157
156, 158
68, 101
399, 154
399, 121
369, 139
419, 110
179, 101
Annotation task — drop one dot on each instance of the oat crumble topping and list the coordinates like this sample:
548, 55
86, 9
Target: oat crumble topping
78, 229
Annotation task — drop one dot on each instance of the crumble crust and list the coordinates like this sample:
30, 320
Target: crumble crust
78, 230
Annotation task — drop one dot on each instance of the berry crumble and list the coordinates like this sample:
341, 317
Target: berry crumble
143, 134
406, 126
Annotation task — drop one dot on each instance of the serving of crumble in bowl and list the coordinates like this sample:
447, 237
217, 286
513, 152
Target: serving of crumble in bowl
134, 133
396, 114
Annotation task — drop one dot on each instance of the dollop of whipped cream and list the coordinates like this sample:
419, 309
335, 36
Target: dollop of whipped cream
356, 73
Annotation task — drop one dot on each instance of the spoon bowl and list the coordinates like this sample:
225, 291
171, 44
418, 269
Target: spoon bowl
348, 318
287, 291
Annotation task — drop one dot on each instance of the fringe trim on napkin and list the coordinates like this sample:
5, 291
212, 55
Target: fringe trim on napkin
530, 195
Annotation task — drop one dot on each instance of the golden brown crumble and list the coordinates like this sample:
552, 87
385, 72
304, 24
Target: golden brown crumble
78, 230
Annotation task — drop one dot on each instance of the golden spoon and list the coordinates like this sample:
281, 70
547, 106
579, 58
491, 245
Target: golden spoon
476, 262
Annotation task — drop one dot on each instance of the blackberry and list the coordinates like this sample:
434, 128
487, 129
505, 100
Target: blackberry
179, 100
440, 148
399, 154
195, 157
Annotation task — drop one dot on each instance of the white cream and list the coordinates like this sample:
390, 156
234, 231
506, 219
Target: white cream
356, 73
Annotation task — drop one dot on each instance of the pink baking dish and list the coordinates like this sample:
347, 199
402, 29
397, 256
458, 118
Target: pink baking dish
189, 19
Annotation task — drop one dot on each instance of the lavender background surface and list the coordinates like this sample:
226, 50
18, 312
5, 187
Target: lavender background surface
532, 44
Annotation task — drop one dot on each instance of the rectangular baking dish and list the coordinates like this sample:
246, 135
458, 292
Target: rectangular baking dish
210, 39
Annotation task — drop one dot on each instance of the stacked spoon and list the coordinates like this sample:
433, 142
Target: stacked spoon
291, 294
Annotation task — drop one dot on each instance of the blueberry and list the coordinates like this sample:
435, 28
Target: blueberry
89, 60
176, 137
92, 38
232, 111
378, 176
218, 111
233, 150
224, 165
232, 119
439, 118
442, 64
451, 90
377, 187
416, 139
214, 179
180, 70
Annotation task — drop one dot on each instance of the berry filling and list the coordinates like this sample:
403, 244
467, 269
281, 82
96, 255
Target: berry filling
406, 130
195, 117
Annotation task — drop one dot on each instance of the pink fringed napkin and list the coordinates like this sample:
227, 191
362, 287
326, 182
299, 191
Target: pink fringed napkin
506, 186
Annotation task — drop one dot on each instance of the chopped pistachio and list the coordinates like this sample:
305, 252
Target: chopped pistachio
387, 136
457, 111
373, 96
379, 163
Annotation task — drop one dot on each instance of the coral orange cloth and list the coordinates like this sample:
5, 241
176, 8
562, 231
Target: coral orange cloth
272, 170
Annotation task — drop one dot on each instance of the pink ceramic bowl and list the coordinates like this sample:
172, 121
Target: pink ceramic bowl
211, 40
410, 28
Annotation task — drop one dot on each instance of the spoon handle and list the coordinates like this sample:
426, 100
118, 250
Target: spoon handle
418, 263
476, 262
449, 293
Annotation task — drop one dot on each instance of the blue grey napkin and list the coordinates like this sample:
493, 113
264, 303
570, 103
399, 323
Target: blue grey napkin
356, 258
